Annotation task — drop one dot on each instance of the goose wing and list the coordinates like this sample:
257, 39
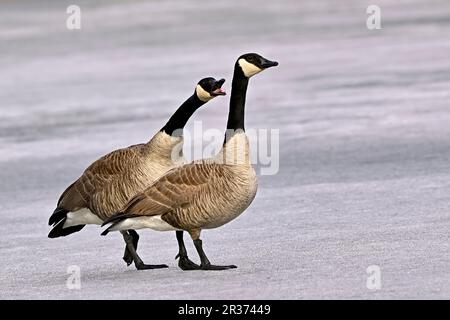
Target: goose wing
97, 176
176, 189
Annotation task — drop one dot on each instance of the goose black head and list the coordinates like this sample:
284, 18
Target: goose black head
253, 63
209, 88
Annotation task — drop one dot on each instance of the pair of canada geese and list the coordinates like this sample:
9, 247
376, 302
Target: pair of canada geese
143, 186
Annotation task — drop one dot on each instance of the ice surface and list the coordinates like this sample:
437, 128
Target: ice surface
364, 153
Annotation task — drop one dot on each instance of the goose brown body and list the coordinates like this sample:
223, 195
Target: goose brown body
109, 183
205, 194
201, 195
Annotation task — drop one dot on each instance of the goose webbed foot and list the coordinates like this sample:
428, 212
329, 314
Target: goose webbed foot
144, 266
186, 264
205, 264
214, 267
131, 241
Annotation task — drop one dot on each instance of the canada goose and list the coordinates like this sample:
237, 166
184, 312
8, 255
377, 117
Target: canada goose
108, 183
204, 194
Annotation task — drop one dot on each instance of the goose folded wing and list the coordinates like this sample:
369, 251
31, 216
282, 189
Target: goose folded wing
98, 175
176, 189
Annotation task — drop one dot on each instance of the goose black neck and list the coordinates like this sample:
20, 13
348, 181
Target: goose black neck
237, 100
179, 119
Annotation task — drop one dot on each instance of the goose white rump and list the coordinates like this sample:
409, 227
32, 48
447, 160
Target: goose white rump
82, 216
151, 222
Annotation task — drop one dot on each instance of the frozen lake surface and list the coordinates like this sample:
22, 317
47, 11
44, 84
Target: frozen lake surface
364, 119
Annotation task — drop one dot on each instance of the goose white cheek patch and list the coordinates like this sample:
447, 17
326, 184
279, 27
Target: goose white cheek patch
202, 94
249, 69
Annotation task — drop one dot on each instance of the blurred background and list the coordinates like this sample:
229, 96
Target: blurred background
364, 143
